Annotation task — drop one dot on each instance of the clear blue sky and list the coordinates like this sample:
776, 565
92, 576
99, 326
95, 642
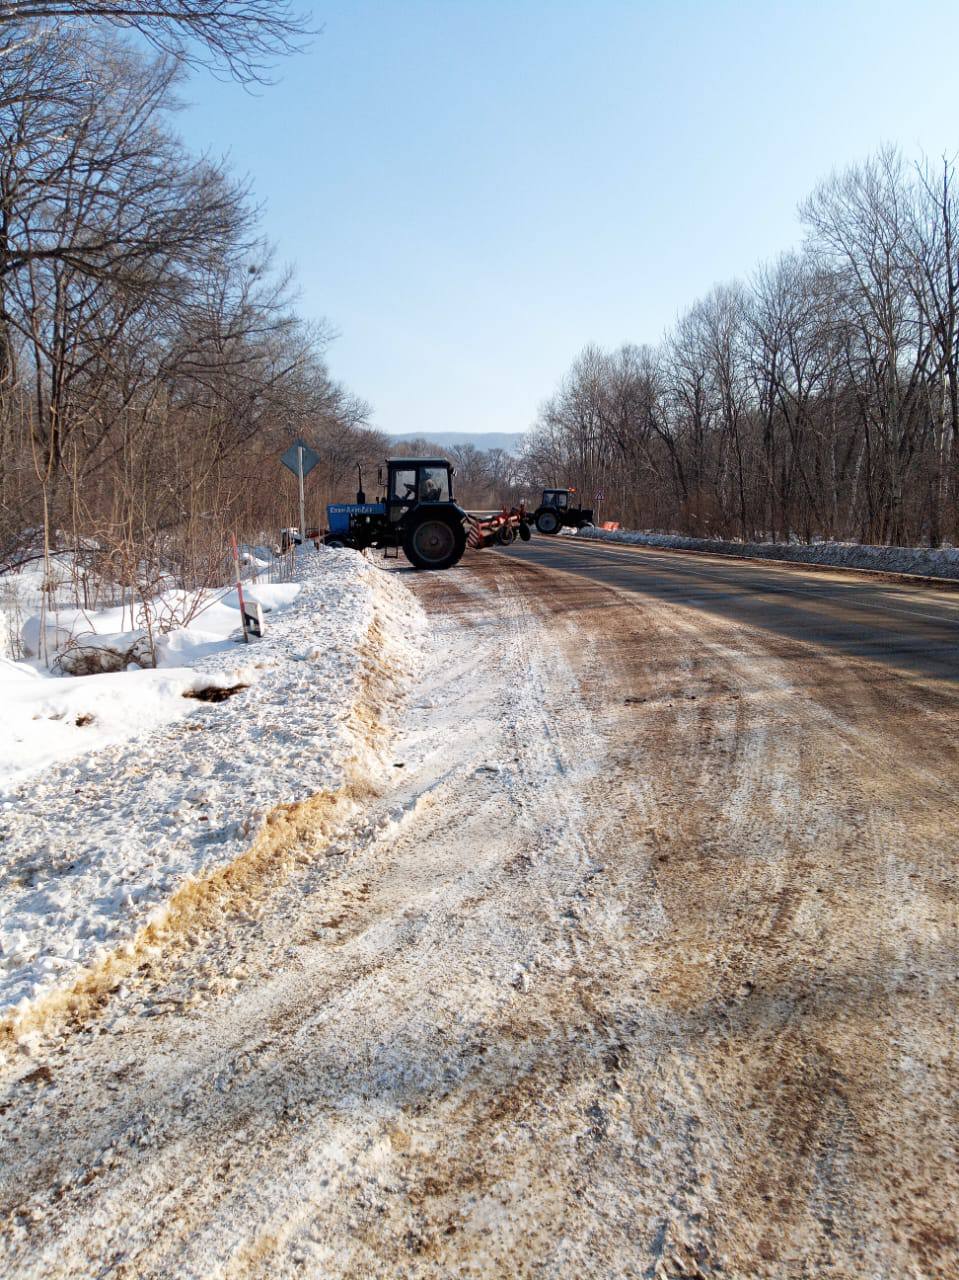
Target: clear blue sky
472, 190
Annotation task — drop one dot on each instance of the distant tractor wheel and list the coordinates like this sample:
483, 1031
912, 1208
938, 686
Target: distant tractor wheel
335, 542
506, 535
548, 522
524, 532
587, 524
434, 544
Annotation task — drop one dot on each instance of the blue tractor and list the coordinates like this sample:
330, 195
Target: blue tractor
416, 512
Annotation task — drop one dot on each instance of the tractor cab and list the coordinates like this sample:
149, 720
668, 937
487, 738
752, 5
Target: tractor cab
411, 482
558, 498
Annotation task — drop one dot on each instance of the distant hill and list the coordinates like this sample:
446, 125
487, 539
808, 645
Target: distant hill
508, 440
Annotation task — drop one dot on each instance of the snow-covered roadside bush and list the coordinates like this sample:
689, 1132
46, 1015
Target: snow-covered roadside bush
92, 850
10, 623
942, 562
93, 654
43, 592
50, 602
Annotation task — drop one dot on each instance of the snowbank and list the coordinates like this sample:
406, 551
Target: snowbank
940, 563
91, 850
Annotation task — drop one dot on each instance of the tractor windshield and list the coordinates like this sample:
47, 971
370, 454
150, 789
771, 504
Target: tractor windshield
556, 498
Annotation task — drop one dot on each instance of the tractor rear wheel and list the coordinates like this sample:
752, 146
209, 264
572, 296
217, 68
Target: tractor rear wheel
548, 522
434, 543
506, 535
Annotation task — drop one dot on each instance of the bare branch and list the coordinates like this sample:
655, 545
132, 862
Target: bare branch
240, 38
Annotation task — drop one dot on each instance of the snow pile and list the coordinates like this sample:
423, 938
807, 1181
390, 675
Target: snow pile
50, 719
91, 849
942, 562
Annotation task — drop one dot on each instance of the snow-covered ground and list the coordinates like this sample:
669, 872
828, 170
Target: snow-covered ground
104, 819
940, 563
50, 718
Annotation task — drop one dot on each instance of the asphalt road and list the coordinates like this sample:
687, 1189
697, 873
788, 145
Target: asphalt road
913, 629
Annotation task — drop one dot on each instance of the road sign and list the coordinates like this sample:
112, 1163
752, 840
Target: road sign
290, 459
301, 460
599, 496
253, 615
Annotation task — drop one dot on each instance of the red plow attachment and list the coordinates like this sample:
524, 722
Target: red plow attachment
499, 529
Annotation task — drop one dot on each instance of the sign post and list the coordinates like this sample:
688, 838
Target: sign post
300, 459
299, 472
239, 589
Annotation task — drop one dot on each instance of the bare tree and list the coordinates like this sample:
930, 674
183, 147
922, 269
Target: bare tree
242, 38
107, 224
932, 245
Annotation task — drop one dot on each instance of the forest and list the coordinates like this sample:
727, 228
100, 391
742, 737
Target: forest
817, 400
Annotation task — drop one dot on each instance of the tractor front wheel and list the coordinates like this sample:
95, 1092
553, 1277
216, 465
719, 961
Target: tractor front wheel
548, 522
434, 544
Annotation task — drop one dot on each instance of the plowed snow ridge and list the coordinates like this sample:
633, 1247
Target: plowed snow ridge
93, 850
